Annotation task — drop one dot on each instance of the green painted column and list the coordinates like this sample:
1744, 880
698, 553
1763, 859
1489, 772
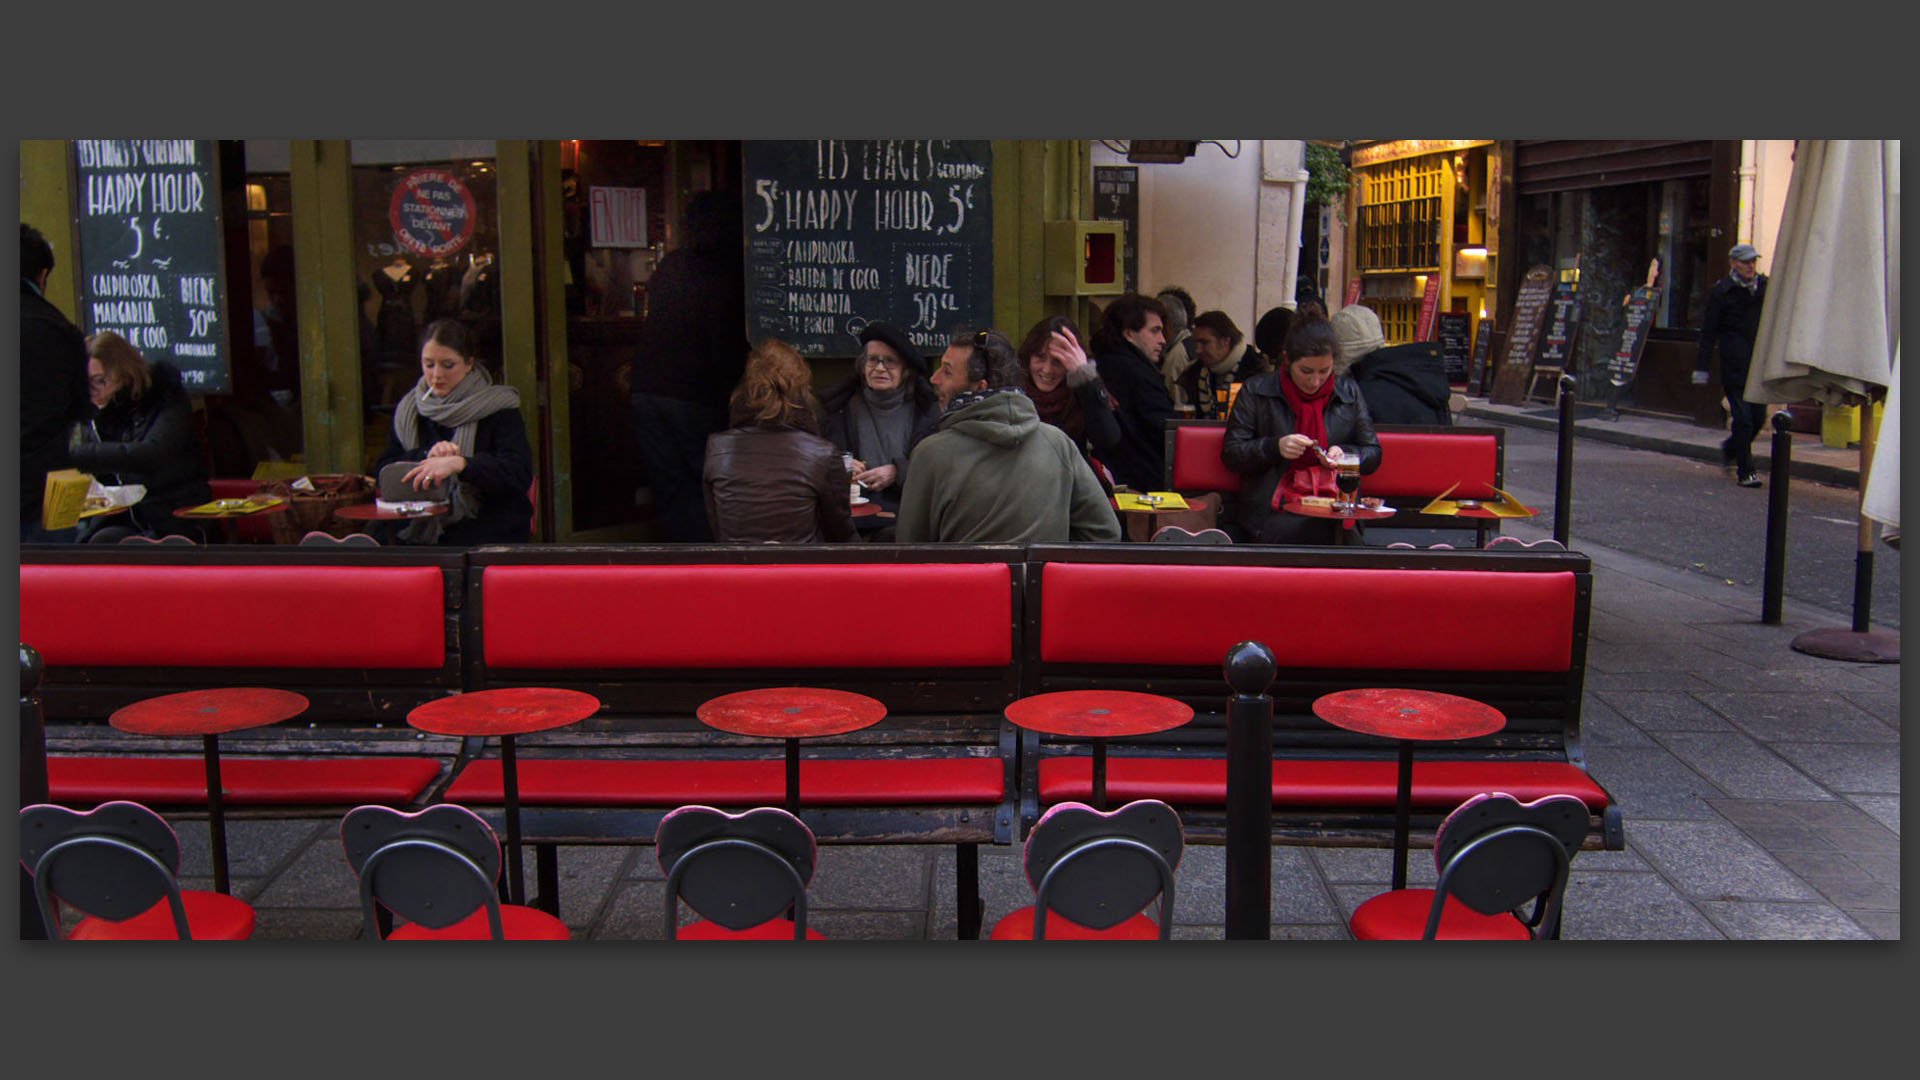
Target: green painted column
322, 186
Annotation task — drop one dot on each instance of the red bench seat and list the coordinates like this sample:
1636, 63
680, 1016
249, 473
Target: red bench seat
182, 780
823, 782
1366, 784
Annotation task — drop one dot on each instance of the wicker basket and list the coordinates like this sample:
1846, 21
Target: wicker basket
313, 510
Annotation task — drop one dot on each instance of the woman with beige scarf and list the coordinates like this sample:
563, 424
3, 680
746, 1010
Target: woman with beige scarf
466, 434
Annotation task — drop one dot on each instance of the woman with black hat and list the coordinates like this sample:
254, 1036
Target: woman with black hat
882, 411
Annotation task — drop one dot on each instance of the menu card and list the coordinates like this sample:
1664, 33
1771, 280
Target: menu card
1152, 500
1498, 503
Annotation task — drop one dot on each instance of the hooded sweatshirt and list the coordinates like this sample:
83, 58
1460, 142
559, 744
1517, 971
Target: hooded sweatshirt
995, 474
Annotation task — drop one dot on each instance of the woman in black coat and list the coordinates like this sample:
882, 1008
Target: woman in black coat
462, 431
881, 412
141, 433
1277, 417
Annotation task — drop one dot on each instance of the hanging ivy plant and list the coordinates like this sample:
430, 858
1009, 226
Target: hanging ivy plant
1328, 178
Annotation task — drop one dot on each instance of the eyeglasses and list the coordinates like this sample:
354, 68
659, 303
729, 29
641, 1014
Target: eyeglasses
881, 361
99, 382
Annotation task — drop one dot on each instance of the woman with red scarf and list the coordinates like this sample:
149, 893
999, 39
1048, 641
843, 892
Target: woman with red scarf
1277, 417
1067, 392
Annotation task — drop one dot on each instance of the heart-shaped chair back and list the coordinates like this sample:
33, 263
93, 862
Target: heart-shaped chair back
1495, 852
112, 862
737, 870
434, 867
1100, 869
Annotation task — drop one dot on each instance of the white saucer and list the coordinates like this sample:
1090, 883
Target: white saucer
862, 501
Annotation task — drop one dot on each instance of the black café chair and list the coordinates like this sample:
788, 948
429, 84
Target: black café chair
119, 864
740, 872
1093, 873
439, 869
1495, 855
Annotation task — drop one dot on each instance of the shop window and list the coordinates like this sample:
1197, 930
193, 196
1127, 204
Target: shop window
426, 246
259, 423
1400, 226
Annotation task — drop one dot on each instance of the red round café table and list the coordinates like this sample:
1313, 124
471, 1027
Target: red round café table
1098, 715
791, 713
208, 713
372, 512
1346, 518
1409, 716
506, 712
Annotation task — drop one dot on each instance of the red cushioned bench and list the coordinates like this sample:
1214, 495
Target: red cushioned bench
653, 632
1417, 463
364, 634
1507, 630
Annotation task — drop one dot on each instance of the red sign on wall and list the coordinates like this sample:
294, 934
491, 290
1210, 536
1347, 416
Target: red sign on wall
1353, 293
432, 213
619, 216
1429, 306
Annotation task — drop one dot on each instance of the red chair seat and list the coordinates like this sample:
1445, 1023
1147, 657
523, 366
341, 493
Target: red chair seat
516, 922
771, 930
1402, 915
565, 782
246, 782
1018, 926
1372, 784
211, 916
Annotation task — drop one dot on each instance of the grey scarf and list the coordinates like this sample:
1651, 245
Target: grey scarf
882, 424
475, 399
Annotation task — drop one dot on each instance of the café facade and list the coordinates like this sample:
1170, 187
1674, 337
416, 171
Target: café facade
289, 279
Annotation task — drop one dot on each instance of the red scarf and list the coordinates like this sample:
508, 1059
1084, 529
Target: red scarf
1304, 475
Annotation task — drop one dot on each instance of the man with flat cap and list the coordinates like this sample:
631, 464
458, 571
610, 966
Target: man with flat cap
882, 411
1732, 321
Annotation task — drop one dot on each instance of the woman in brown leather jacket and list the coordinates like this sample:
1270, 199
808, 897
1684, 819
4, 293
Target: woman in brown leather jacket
771, 478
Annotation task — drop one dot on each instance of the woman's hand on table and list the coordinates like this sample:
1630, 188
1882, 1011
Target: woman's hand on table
1292, 446
877, 479
434, 471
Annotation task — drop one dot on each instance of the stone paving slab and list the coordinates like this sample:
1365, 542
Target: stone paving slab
1789, 717
1740, 766
1715, 861
1664, 710
1784, 922
1613, 906
1651, 784
1846, 768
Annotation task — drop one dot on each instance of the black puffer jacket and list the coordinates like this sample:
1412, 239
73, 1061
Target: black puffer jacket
1732, 321
150, 442
1139, 460
53, 393
1261, 416
1405, 384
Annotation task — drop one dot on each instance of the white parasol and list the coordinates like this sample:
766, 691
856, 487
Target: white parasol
1830, 327
1881, 499
1832, 314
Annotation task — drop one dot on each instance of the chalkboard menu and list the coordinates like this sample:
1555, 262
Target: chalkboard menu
151, 258
1482, 347
1523, 333
1563, 322
1116, 197
1455, 326
1640, 305
842, 233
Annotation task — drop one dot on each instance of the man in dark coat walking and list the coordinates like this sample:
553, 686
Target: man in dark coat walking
53, 385
1127, 351
1732, 321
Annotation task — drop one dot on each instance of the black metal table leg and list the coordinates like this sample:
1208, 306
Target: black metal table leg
1099, 774
1403, 814
216, 814
510, 785
793, 776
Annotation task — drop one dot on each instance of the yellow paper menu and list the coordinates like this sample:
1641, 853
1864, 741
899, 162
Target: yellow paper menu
1506, 506
65, 496
1441, 504
1152, 500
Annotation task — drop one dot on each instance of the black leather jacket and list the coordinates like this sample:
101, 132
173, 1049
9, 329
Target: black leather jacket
1261, 416
776, 485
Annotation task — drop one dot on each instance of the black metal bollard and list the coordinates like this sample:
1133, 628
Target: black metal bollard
1249, 670
33, 776
1779, 469
1563, 466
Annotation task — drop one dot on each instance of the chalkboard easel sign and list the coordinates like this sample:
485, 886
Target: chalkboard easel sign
1523, 335
1640, 305
1116, 197
843, 233
1482, 348
1454, 346
151, 259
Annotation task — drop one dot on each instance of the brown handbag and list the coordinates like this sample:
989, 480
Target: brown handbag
310, 511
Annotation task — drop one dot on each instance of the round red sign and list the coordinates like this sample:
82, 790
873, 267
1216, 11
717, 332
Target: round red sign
432, 213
